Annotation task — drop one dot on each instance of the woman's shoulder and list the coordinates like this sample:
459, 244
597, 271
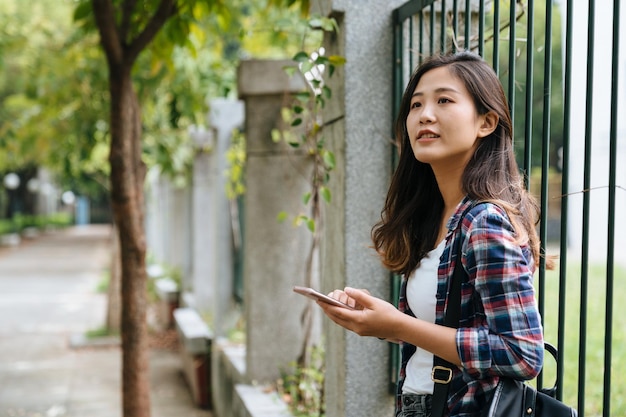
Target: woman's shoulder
485, 215
472, 211
482, 209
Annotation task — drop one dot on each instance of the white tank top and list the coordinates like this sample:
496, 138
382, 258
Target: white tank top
421, 295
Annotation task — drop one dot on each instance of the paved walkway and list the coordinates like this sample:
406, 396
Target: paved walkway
47, 297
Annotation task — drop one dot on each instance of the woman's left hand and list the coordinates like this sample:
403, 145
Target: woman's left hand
373, 316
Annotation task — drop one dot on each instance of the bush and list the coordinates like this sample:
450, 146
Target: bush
303, 388
6, 226
23, 221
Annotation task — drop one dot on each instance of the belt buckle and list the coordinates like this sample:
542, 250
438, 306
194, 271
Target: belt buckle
441, 380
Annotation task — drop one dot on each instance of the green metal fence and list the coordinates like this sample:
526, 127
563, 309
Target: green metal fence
530, 45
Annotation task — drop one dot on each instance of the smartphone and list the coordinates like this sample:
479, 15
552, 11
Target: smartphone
318, 296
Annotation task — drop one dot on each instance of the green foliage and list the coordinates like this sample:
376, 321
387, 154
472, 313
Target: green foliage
166, 271
237, 333
303, 5
35, 35
54, 96
99, 332
52, 103
236, 158
302, 388
303, 122
41, 222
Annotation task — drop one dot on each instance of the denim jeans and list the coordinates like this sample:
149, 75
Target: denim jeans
414, 405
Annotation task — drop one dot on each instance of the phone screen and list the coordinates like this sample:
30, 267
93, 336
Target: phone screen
318, 296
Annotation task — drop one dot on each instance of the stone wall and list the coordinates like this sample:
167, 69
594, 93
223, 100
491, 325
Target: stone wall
357, 376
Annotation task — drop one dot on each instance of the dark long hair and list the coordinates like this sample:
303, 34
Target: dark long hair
413, 211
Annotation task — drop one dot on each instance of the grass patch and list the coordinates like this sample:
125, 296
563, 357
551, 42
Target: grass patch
593, 345
99, 332
103, 284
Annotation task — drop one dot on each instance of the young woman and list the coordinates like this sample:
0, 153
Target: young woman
456, 154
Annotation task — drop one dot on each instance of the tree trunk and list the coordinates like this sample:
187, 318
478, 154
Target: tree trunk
115, 21
127, 178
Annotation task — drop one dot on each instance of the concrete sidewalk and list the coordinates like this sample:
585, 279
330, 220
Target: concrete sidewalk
47, 297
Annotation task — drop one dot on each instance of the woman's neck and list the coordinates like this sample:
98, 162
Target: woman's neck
451, 188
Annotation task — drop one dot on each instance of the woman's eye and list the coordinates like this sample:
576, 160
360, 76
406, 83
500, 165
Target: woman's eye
444, 100
415, 104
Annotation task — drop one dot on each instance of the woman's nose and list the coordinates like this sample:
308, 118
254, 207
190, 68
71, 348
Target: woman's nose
426, 115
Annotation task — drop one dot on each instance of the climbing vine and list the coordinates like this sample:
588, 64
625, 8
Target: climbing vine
304, 124
303, 129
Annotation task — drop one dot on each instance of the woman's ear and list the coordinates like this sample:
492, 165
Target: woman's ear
489, 124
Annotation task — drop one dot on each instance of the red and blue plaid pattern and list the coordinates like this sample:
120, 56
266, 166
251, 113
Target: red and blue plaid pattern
500, 331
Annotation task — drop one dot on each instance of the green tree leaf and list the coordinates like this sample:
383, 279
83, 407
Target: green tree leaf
282, 216
329, 159
325, 193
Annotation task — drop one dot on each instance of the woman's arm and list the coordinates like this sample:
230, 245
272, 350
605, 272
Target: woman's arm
509, 341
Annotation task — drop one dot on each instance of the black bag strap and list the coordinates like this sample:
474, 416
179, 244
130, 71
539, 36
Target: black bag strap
442, 369
551, 391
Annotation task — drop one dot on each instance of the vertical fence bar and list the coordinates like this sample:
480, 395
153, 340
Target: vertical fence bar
455, 26
496, 36
545, 162
398, 80
443, 27
610, 261
411, 44
467, 16
528, 121
481, 28
397, 69
432, 28
512, 35
584, 273
560, 367
421, 29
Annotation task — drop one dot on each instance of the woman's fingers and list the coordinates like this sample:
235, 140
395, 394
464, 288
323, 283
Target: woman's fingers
343, 297
372, 317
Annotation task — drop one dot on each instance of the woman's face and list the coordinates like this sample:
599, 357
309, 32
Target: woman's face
443, 124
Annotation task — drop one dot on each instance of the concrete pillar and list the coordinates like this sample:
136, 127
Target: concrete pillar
199, 290
357, 368
178, 237
155, 215
274, 253
212, 234
167, 222
225, 116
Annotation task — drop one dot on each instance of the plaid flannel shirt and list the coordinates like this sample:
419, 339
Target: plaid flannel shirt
500, 331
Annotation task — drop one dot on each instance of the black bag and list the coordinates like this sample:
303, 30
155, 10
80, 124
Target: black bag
511, 398
516, 399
